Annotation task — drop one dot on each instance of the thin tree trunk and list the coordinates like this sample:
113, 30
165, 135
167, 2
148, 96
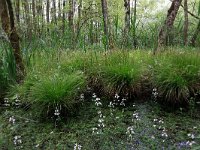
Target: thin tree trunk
34, 20
8, 25
28, 21
54, 11
185, 23
17, 10
126, 21
195, 35
71, 14
134, 24
79, 19
63, 17
59, 8
127, 15
71, 21
47, 14
105, 20
171, 16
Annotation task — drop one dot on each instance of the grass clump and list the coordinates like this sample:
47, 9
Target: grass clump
45, 93
177, 76
57, 91
122, 74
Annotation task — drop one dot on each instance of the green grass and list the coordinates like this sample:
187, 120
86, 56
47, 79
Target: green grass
122, 73
56, 83
176, 75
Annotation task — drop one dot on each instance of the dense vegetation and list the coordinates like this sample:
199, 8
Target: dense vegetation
99, 74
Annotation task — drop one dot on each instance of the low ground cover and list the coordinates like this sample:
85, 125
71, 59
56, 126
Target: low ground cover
89, 98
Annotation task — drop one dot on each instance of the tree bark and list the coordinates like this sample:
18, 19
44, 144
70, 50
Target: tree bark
17, 10
8, 25
47, 14
127, 15
63, 17
28, 21
126, 21
33, 10
134, 24
105, 20
185, 23
71, 13
54, 11
71, 21
171, 16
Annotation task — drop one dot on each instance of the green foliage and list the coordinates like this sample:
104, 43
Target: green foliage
122, 73
176, 75
7, 69
57, 91
46, 88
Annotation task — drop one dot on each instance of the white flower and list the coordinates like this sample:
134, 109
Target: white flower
98, 99
153, 137
98, 103
82, 97
94, 95
116, 96
12, 120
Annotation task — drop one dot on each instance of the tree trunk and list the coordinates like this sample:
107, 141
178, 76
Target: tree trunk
63, 17
54, 11
8, 25
185, 23
28, 21
172, 12
17, 10
134, 24
71, 21
47, 15
126, 21
105, 20
71, 14
127, 15
33, 10
195, 35
59, 9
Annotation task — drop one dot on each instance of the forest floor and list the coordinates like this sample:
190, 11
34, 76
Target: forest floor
140, 125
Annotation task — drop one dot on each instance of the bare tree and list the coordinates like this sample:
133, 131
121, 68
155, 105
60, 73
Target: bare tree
127, 20
47, 14
63, 17
127, 15
171, 16
185, 22
71, 21
34, 15
8, 25
54, 11
134, 23
105, 20
71, 14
